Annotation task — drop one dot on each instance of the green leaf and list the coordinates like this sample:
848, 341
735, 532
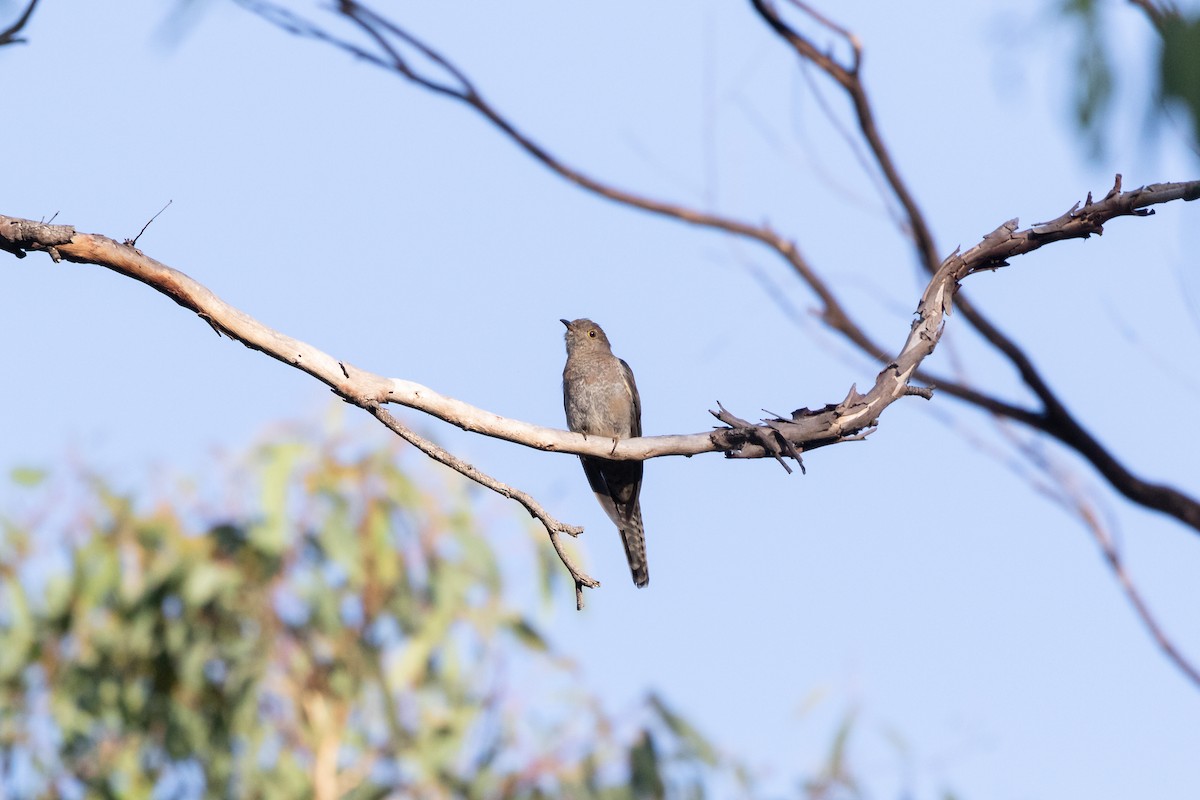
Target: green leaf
162, 641
201, 584
694, 743
28, 477
17, 635
270, 534
526, 634
1179, 64
645, 779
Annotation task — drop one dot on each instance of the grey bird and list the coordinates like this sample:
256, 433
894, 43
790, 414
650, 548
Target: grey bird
601, 399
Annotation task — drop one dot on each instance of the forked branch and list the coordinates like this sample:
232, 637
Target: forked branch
1053, 418
804, 430
398, 50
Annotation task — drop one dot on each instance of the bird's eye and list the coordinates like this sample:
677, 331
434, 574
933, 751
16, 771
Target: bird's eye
592, 333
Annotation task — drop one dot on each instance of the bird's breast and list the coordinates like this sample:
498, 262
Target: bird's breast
599, 408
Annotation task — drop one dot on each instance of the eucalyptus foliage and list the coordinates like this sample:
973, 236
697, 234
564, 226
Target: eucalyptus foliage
330, 628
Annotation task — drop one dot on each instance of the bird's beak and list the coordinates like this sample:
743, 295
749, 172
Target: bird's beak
564, 322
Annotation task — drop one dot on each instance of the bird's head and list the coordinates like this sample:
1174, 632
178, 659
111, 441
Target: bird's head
583, 334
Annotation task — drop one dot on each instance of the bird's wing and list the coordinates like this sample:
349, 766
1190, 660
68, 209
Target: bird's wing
635, 425
599, 481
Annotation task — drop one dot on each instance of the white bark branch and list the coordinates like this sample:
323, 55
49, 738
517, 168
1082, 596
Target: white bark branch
852, 418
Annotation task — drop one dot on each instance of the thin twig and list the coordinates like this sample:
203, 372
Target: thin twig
1053, 419
9, 34
553, 527
849, 79
133, 242
353, 385
459, 87
1074, 500
805, 431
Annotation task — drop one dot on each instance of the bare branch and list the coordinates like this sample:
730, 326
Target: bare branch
1072, 498
10, 34
1054, 419
353, 385
851, 419
805, 429
833, 313
1113, 557
848, 78
133, 242
553, 527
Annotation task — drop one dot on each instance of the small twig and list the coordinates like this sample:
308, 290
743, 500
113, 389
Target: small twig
845, 33
1054, 419
9, 34
833, 313
806, 431
133, 242
777, 438
847, 420
764, 438
553, 526
1073, 500
849, 79
1164, 642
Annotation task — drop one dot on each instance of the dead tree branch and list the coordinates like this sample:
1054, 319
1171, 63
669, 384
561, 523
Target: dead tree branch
10, 35
1066, 492
391, 42
553, 527
1054, 418
852, 418
848, 77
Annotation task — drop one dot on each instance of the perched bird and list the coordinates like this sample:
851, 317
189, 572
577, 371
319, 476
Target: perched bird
601, 399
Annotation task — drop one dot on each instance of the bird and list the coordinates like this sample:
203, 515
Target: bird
601, 399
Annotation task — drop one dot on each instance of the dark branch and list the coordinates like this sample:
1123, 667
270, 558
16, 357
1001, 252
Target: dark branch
9, 34
848, 78
1052, 419
1055, 419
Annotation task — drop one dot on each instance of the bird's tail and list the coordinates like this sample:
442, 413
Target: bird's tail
633, 536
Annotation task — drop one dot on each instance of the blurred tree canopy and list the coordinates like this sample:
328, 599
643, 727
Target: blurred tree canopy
1179, 66
1175, 76
333, 630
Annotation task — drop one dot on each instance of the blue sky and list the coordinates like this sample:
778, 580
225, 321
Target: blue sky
915, 577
